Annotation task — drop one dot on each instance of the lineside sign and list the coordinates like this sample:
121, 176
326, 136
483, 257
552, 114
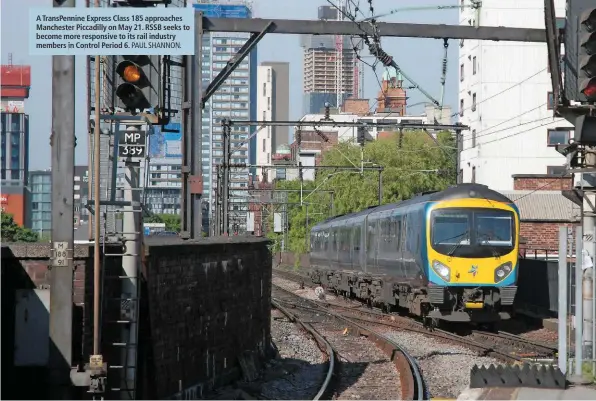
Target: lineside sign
132, 144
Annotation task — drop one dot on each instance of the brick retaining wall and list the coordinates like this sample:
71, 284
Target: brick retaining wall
202, 305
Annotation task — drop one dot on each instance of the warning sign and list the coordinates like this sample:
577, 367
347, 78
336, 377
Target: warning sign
12, 106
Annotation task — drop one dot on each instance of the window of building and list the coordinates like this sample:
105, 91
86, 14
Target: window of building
474, 65
264, 144
461, 107
269, 75
264, 89
473, 138
461, 73
264, 115
474, 174
557, 136
269, 103
556, 170
550, 101
473, 102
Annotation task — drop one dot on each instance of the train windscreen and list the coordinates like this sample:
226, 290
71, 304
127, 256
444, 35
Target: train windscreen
472, 233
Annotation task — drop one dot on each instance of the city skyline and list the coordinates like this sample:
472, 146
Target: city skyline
425, 68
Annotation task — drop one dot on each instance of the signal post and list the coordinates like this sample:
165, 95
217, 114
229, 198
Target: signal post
580, 87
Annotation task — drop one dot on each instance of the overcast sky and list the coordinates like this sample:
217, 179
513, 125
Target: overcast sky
419, 58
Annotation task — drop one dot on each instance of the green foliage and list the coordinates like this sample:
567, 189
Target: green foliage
12, 232
402, 179
172, 221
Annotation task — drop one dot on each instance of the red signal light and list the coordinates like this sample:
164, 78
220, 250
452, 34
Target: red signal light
590, 90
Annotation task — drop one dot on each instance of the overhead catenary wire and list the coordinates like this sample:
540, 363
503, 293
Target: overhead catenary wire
375, 48
500, 93
422, 8
510, 119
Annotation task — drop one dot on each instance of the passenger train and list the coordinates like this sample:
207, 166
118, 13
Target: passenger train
450, 255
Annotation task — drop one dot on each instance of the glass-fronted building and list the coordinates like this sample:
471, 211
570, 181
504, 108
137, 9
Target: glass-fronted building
15, 134
40, 201
236, 100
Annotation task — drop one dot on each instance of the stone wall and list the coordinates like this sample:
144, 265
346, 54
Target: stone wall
203, 304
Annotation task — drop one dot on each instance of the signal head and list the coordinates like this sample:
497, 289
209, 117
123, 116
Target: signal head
588, 43
588, 65
588, 20
131, 73
588, 88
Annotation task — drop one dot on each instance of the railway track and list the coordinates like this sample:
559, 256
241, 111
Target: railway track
503, 346
324, 345
355, 368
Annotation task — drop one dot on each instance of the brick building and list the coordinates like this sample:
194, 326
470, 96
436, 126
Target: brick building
359, 107
543, 209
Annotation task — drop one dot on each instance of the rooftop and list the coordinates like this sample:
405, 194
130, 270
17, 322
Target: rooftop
542, 206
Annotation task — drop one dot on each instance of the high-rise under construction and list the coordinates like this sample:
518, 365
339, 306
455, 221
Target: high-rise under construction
330, 67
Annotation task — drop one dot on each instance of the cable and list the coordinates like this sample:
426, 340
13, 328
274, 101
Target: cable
517, 133
422, 8
548, 184
500, 93
505, 121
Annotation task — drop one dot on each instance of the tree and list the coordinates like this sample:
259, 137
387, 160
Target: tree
12, 232
420, 164
172, 221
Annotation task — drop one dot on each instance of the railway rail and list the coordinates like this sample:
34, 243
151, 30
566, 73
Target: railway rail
323, 323
503, 346
324, 345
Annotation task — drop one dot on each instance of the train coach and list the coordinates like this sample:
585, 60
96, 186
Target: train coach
450, 255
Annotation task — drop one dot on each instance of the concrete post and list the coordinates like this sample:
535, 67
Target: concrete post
196, 129
577, 372
589, 245
562, 317
131, 226
62, 142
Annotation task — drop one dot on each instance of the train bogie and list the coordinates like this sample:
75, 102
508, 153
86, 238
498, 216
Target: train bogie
451, 255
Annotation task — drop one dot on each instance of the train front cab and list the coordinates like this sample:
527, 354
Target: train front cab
472, 250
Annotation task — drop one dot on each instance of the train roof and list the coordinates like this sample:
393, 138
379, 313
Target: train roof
467, 190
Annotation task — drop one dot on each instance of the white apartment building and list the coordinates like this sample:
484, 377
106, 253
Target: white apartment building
265, 113
273, 101
505, 97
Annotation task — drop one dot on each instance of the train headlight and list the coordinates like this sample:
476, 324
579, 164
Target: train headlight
502, 271
443, 271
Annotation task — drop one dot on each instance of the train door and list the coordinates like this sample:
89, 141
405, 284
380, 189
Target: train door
356, 247
364, 245
371, 245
